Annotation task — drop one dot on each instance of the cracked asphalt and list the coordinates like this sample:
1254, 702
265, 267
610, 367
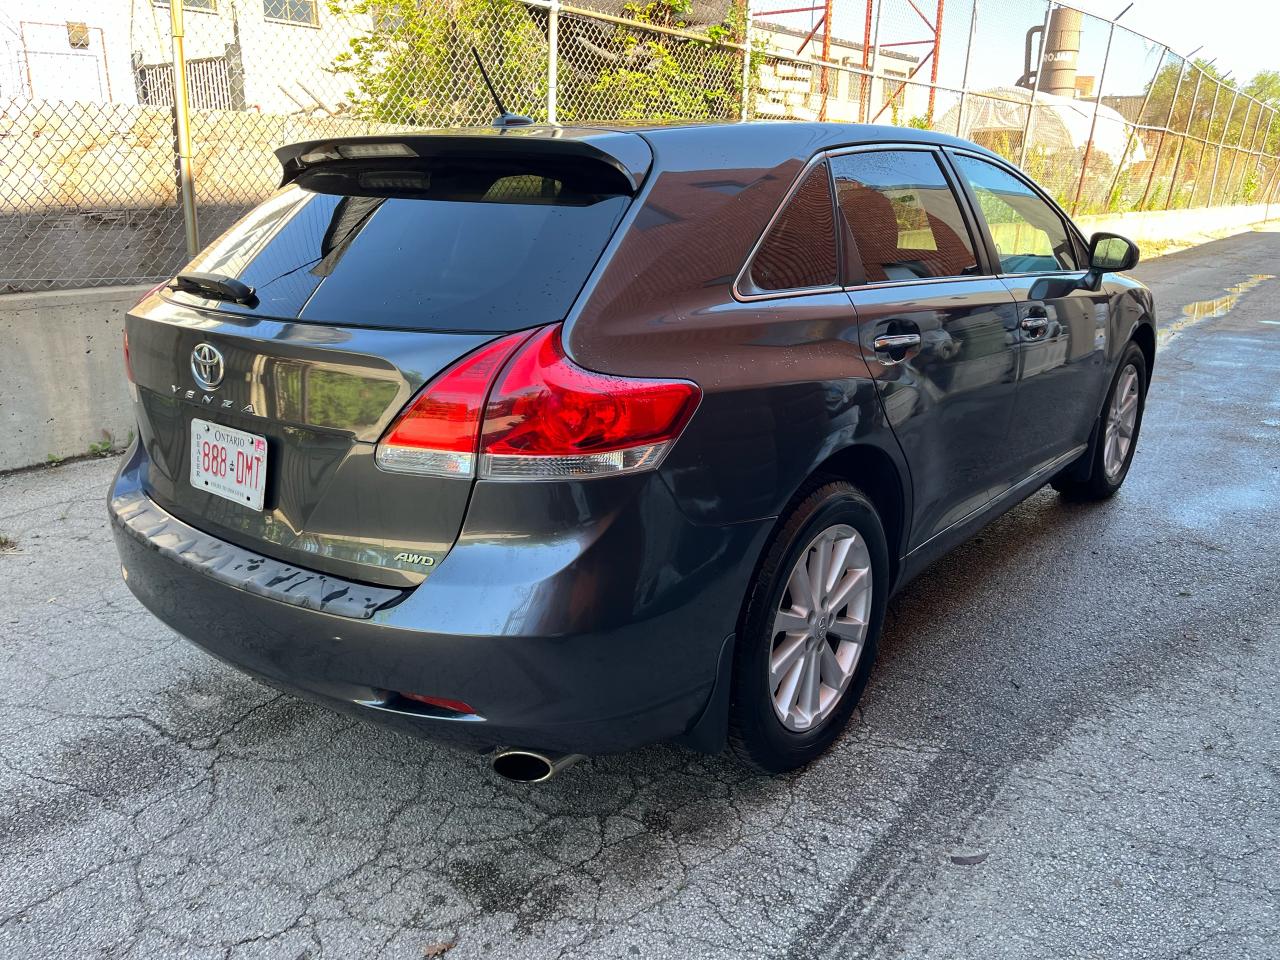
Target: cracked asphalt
1080, 706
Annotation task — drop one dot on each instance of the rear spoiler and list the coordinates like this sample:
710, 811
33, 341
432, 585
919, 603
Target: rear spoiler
627, 153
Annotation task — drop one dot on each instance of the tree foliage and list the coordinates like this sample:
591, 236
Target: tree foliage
415, 66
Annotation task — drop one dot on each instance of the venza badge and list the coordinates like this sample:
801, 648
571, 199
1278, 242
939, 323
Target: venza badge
207, 366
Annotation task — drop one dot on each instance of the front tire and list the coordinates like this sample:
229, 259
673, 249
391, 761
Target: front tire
809, 630
1118, 427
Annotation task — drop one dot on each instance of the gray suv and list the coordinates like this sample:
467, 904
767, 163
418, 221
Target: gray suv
548, 441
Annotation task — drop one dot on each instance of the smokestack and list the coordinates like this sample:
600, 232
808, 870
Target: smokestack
1061, 53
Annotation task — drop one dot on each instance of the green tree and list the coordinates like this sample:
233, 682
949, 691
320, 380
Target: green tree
655, 77
414, 66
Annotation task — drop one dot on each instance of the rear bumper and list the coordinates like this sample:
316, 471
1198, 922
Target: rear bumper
598, 627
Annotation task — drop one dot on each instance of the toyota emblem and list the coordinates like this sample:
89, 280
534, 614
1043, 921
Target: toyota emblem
207, 366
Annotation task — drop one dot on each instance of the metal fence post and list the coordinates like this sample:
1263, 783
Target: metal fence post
875, 80
1235, 154
1262, 152
182, 130
964, 80
1035, 87
553, 57
1222, 140
1093, 123
1253, 141
1168, 119
1182, 141
746, 61
1133, 132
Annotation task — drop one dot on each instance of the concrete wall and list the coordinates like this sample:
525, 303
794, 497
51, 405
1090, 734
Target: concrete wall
1180, 227
62, 383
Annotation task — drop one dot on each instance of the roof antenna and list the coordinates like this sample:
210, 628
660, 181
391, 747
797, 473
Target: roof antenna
505, 117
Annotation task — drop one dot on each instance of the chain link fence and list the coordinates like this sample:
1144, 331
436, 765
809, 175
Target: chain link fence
1108, 120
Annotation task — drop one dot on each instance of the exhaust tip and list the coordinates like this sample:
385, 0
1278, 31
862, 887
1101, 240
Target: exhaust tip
530, 766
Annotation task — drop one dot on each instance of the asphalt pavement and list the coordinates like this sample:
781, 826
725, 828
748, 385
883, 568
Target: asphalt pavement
1070, 747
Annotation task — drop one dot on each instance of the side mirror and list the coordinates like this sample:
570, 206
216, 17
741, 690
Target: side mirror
1109, 253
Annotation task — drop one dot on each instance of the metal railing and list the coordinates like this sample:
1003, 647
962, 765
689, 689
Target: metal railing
127, 144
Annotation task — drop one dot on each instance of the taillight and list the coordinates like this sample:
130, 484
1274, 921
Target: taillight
437, 434
544, 417
548, 418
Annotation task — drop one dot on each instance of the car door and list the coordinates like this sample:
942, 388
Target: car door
1062, 328
937, 328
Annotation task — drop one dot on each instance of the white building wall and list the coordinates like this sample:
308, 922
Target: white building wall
37, 60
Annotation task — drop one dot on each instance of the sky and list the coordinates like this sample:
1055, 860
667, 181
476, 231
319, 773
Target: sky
1242, 34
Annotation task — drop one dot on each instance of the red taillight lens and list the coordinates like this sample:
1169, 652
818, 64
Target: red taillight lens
549, 418
546, 418
438, 432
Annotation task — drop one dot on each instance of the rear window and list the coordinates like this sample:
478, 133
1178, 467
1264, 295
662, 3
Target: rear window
468, 244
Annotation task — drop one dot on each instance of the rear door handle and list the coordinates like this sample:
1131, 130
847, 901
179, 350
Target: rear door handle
896, 341
892, 348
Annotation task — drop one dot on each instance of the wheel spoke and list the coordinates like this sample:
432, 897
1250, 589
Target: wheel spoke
784, 699
832, 672
839, 555
790, 620
784, 656
809, 685
853, 580
849, 628
818, 574
800, 588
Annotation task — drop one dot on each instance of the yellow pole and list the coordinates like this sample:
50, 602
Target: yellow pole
182, 130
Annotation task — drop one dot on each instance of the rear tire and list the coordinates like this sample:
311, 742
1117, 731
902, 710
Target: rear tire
1117, 434
809, 630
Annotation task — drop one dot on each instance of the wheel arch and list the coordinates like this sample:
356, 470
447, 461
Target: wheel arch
1144, 335
871, 469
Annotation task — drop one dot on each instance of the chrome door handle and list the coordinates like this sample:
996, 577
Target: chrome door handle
899, 341
1034, 324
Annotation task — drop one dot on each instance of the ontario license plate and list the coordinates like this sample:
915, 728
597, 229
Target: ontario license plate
228, 463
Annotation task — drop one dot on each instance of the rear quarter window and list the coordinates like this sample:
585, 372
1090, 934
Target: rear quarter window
466, 244
799, 251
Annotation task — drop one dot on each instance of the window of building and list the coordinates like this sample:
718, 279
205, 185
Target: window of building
800, 249
207, 6
1029, 235
903, 215
291, 11
78, 36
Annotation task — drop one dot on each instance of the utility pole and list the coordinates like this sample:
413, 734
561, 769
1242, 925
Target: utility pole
182, 129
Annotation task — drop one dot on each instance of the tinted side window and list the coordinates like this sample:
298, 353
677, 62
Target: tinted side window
904, 217
1028, 233
800, 249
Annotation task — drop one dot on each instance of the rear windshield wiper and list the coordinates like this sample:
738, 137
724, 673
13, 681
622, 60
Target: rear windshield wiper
215, 286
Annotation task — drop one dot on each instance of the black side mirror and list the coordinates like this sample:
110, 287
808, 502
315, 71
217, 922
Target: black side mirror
1109, 253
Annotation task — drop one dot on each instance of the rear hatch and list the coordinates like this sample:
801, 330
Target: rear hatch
378, 264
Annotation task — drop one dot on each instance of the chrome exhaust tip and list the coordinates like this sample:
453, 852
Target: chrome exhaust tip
520, 765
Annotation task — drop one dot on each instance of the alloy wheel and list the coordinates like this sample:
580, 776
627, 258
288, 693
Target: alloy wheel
820, 628
1122, 422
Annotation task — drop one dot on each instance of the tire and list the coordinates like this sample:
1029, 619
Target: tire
1105, 472
828, 519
